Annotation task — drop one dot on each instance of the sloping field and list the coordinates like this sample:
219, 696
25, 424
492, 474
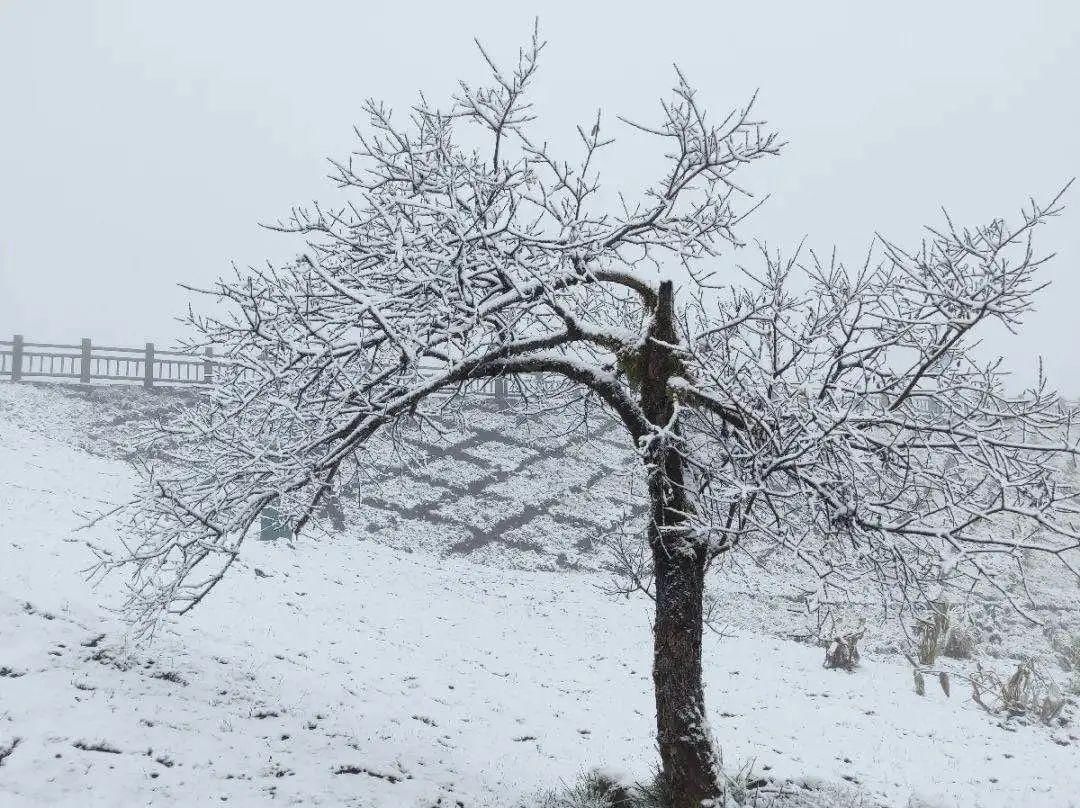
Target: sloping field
346, 670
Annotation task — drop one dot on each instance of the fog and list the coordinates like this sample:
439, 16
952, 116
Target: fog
142, 142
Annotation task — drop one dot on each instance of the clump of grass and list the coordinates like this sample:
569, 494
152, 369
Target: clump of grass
594, 789
6, 750
600, 789
653, 793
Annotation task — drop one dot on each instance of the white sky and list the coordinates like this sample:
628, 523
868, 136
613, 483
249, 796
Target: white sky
141, 141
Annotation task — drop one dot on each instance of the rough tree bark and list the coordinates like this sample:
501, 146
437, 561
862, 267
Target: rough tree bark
689, 762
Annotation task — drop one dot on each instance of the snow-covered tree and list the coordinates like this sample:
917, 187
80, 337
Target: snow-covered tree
838, 416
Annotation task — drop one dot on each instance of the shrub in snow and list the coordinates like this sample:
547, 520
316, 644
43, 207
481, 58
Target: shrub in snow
1067, 647
842, 650
942, 632
920, 683
932, 632
959, 644
939, 635
1027, 692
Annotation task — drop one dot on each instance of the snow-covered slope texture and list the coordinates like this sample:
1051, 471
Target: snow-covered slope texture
351, 673
533, 492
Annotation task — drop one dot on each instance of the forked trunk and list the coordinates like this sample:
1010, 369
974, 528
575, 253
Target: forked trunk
690, 767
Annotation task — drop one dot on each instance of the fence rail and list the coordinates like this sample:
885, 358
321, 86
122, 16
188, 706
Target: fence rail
88, 363
21, 360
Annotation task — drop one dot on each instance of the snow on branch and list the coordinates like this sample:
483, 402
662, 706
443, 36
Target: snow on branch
837, 415
844, 418
448, 263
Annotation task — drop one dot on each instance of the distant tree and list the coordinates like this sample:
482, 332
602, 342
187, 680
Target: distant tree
835, 416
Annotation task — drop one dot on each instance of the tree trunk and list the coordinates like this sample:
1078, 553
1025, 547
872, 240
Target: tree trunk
689, 763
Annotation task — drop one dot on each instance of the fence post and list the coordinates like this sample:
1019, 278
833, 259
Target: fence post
148, 366
16, 357
500, 392
208, 366
84, 364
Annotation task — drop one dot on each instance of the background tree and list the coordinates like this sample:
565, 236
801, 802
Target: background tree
798, 407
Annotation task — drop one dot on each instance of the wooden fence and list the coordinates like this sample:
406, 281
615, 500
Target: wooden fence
88, 363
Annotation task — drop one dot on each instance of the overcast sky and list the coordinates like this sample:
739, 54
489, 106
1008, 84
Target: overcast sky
142, 141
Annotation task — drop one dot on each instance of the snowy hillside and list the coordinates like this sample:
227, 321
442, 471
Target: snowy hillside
384, 665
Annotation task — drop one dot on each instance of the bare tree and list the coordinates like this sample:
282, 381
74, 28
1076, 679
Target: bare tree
798, 407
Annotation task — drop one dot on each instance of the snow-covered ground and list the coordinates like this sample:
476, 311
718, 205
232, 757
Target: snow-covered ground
348, 672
